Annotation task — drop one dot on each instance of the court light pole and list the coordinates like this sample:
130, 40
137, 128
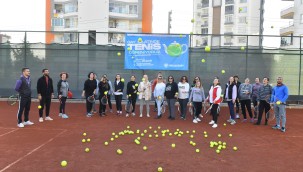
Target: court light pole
169, 21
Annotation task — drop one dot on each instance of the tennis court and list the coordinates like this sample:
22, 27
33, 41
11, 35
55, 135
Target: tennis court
43, 146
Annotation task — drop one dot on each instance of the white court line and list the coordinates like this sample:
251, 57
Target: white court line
34, 150
9, 132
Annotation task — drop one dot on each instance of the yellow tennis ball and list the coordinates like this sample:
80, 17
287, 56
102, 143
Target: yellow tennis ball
242, 48
230, 135
197, 150
205, 136
144, 148
136, 85
278, 102
83, 140
105, 143
122, 80
143, 79
235, 148
119, 151
63, 163
173, 145
129, 48
203, 60
112, 139
191, 33
224, 124
219, 135
223, 71
218, 151
105, 92
88, 140
119, 54
86, 149
194, 144
129, 95
207, 48
142, 134
39, 107
84, 134
192, 20
139, 39
191, 136
180, 35
160, 169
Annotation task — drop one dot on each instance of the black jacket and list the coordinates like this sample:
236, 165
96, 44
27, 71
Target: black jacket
170, 90
102, 88
120, 86
132, 88
42, 88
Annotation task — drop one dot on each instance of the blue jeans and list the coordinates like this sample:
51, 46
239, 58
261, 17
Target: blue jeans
159, 103
280, 114
231, 109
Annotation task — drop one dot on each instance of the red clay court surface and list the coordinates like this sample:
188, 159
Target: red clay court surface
43, 146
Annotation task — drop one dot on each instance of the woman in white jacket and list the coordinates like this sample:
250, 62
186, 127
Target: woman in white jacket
159, 95
144, 94
183, 90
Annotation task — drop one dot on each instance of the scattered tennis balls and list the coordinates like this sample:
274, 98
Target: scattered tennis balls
88, 140
197, 150
218, 151
119, 54
112, 139
207, 48
105, 143
159, 127
150, 127
205, 136
122, 80
156, 135
119, 151
219, 135
113, 134
194, 144
84, 134
116, 136
170, 134
205, 132
235, 148
142, 134
160, 169
39, 107
63, 163
191, 136
203, 60
144, 148
230, 135
222, 71
242, 48
224, 124
86, 149
137, 142
83, 140
139, 39
194, 131
173, 145
150, 136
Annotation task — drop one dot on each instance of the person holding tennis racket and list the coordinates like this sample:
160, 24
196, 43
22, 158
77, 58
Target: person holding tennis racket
23, 87
244, 92
104, 89
131, 91
279, 97
214, 97
196, 97
62, 88
170, 95
230, 95
89, 92
119, 86
159, 95
144, 95
254, 95
183, 93
263, 99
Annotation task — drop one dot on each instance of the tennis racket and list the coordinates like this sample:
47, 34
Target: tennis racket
191, 108
178, 106
104, 100
91, 99
69, 94
163, 107
129, 106
270, 114
256, 110
13, 99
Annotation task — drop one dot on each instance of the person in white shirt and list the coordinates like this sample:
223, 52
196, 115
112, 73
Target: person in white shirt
144, 94
183, 94
159, 95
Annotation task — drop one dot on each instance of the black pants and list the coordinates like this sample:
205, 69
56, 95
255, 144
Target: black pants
183, 106
197, 109
214, 112
109, 102
118, 99
46, 100
237, 105
89, 105
247, 104
263, 106
24, 105
171, 107
62, 105
132, 100
255, 103
102, 107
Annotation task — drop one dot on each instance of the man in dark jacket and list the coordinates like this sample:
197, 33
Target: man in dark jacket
23, 87
45, 94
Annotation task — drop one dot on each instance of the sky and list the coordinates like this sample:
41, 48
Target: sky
30, 15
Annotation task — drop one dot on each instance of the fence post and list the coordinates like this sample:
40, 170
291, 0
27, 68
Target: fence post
246, 57
300, 67
25, 47
78, 60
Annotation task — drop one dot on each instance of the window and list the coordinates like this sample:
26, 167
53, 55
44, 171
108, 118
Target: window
227, 40
204, 23
204, 31
71, 22
243, 10
57, 22
243, 1
242, 20
133, 9
229, 1
229, 19
204, 12
205, 3
70, 7
229, 9
242, 40
123, 8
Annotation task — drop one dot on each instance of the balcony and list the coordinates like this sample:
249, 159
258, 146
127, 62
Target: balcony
204, 25
287, 13
228, 23
205, 3
228, 43
287, 30
229, 2
113, 28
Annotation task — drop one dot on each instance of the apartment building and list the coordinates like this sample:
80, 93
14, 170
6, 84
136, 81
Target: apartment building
112, 17
228, 17
289, 33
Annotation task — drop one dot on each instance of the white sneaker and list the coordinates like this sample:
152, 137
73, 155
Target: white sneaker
133, 114
233, 122
127, 115
64, 116
211, 122
20, 125
215, 125
60, 114
48, 118
141, 115
28, 123
229, 120
41, 119
237, 116
195, 121
198, 119
147, 115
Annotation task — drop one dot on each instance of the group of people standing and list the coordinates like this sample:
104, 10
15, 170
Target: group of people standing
235, 94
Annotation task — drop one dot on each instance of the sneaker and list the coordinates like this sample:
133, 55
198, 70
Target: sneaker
28, 123
148, 115
89, 115
244, 120
48, 118
233, 122
20, 125
229, 120
276, 127
215, 125
201, 116
195, 121
133, 114
211, 122
141, 115
283, 129
198, 119
158, 117
40, 119
252, 120
183, 118
127, 115
111, 111
60, 114
64, 116
237, 116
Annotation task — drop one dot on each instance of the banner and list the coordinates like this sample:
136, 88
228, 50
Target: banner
156, 52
